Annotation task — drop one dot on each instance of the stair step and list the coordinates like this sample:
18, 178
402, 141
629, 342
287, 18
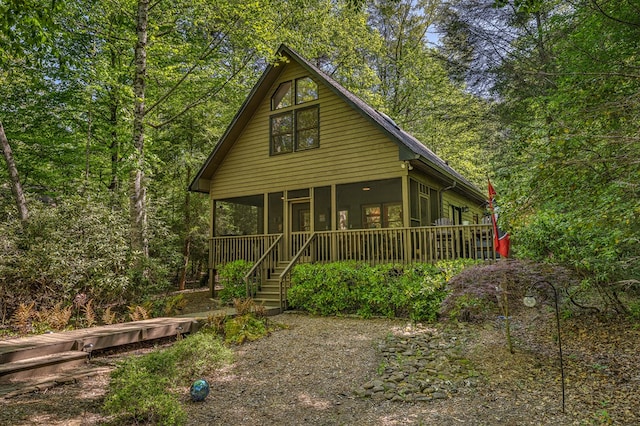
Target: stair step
45, 345
41, 365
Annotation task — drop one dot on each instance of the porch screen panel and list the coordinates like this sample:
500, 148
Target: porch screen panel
362, 203
322, 208
239, 216
276, 209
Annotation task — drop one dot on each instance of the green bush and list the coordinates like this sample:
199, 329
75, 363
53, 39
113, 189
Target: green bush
414, 291
142, 389
601, 245
77, 246
232, 280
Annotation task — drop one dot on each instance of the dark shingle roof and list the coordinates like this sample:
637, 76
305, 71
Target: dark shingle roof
402, 137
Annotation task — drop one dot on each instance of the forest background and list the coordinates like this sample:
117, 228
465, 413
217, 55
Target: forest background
109, 107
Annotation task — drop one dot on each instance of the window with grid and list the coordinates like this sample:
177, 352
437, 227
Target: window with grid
297, 127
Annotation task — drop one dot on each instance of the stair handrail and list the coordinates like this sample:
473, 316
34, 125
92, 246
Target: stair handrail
292, 263
258, 263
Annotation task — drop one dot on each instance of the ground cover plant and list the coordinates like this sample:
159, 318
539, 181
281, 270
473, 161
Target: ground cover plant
148, 388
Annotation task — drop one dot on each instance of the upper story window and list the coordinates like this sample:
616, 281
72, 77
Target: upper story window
295, 129
283, 97
306, 90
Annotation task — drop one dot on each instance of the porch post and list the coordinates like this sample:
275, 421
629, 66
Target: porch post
312, 218
265, 214
406, 218
286, 226
334, 227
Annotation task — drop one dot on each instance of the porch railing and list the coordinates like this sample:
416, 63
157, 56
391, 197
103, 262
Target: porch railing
246, 247
374, 246
285, 276
262, 268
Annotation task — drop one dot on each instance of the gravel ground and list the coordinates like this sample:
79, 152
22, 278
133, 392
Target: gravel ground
310, 373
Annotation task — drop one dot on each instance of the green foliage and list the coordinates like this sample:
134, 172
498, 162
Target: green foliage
476, 293
634, 311
244, 328
232, 280
569, 163
199, 354
420, 95
138, 392
142, 389
466, 307
415, 291
76, 246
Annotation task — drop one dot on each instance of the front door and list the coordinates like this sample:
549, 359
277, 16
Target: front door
299, 225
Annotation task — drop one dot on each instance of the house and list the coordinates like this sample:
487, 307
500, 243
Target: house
307, 171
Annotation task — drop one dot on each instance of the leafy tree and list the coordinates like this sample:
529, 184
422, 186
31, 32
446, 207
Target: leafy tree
567, 87
25, 28
420, 94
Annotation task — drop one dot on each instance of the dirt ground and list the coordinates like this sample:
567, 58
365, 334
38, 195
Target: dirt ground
306, 374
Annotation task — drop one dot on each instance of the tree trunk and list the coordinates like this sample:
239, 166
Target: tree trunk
187, 226
114, 146
182, 284
16, 187
137, 196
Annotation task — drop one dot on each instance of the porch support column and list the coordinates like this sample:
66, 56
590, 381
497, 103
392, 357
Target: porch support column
406, 218
312, 218
286, 226
334, 227
265, 215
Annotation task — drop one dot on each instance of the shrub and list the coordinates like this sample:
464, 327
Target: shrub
77, 246
198, 354
232, 280
473, 293
598, 240
413, 291
244, 328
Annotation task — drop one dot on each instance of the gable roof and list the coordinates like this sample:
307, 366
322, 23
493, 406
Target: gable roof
410, 147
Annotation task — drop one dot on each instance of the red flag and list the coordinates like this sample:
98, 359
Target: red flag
501, 239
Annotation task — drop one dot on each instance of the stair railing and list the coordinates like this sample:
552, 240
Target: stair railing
255, 277
285, 276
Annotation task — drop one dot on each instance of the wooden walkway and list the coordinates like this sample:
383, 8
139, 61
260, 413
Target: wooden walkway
28, 361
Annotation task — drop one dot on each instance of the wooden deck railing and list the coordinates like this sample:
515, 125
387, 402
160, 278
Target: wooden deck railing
285, 276
246, 247
262, 268
373, 246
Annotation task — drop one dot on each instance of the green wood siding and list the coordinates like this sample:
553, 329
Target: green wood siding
351, 149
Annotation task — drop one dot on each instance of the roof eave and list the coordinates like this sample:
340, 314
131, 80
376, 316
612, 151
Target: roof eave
208, 168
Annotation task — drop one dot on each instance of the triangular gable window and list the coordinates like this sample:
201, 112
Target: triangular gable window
282, 98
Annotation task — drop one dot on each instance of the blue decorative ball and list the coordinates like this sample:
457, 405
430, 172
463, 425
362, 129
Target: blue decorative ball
199, 390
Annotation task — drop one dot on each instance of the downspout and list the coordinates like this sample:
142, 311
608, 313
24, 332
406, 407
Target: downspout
440, 196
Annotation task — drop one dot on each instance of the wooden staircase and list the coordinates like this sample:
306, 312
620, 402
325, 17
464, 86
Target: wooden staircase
268, 294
